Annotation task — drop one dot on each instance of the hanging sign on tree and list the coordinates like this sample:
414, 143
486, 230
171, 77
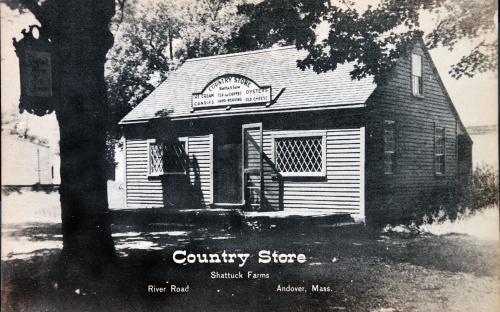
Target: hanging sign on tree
36, 72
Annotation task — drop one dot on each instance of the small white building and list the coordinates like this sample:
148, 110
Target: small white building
28, 162
485, 151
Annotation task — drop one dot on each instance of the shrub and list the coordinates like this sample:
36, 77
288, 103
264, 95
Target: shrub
481, 190
478, 192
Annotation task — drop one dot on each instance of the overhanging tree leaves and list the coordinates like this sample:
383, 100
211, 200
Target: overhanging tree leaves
277, 22
374, 36
473, 21
155, 39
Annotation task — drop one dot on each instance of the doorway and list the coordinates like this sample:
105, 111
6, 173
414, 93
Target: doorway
227, 166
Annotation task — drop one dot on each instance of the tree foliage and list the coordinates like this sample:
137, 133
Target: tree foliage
153, 40
468, 20
374, 36
279, 22
481, 191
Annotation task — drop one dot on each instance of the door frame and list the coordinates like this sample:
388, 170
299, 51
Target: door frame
216, 184
243, 178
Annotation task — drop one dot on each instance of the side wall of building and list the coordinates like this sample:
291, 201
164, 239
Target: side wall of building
414, 188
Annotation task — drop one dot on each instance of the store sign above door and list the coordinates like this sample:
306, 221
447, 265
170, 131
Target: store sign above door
231, 90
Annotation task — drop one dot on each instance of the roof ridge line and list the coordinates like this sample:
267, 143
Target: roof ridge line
241, 53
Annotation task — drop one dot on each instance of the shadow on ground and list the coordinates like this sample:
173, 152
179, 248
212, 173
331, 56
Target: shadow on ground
366, 271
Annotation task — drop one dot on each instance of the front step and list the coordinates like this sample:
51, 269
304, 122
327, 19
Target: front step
234, 218
215, 217
228, 206
290, 220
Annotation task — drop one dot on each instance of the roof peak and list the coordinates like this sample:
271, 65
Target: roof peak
272, 49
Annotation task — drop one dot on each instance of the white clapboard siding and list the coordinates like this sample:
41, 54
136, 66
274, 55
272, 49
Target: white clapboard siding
142, 192
145, 192
200, 148
342, 190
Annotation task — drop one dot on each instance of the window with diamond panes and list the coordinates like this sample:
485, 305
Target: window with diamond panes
167, 158
300, 156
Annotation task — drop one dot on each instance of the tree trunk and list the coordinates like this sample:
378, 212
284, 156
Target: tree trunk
81, 37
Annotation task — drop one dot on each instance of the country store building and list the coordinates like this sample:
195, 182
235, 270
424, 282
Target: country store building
252, 131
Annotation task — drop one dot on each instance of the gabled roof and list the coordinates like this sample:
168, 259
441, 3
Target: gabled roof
275, 67
443, 87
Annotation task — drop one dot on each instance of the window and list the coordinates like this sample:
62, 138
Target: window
439, 149
416, 74
389, 146
167, 157
301, 154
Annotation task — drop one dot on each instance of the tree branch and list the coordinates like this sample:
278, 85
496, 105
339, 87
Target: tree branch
36, 9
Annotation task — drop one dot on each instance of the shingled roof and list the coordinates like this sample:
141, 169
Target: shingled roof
275, 67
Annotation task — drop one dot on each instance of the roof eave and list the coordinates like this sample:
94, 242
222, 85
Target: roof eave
245, 113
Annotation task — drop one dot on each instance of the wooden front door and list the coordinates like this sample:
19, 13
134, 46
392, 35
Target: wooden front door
252, 166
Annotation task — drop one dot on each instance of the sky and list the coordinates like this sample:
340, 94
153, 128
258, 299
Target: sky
475, 98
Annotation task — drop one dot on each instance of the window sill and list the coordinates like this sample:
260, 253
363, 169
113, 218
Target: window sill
418, 96
159, 175
303, 174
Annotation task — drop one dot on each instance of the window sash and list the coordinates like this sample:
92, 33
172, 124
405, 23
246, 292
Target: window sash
389, 146
439, 149
440, 164
416, 74
389, 140
388, 162
417, 87
299, 145
154, 151
416, 65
